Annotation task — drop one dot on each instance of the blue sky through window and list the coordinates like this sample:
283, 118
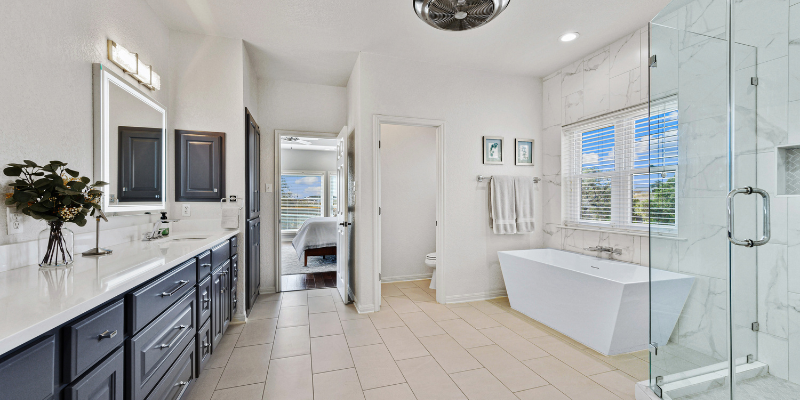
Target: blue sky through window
597, 150
303, 186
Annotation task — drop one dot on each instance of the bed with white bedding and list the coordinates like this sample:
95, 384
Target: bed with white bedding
316, 237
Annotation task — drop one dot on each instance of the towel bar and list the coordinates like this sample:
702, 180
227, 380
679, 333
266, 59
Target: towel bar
481, 178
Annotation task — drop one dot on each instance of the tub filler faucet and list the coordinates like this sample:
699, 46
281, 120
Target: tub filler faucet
604, 249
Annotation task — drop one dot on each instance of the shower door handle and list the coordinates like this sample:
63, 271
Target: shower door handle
765, 202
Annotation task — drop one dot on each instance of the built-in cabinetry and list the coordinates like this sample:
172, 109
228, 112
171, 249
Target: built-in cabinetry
150, 343
253, 281
199, 166
252, 209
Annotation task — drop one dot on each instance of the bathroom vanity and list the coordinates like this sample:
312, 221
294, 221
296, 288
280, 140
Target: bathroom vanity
137, 324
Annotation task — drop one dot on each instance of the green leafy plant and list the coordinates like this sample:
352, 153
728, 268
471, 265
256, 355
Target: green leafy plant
52, 192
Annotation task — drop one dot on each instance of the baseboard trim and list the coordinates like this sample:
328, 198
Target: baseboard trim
465, 298
406, 278
269, 290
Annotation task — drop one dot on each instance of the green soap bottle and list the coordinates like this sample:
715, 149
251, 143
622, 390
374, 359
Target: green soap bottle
164, 224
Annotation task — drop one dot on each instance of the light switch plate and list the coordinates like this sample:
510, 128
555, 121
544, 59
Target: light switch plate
268, 187
13, 221
186, 210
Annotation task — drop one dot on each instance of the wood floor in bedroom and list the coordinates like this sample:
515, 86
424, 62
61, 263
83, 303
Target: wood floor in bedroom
319, 280
308, 345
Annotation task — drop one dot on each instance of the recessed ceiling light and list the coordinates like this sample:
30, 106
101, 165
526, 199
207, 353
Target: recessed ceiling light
568, 37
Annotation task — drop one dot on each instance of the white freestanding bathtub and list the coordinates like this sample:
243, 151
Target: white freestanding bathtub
603, 304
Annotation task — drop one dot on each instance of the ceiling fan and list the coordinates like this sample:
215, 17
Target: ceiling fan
293, 139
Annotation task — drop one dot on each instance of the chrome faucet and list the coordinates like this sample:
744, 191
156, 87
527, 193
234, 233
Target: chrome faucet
604, 249
156, 233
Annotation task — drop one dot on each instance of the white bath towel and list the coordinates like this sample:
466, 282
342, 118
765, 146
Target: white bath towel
230, 217
523, 195
501, 203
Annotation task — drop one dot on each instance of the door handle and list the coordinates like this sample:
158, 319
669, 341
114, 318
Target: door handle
765, 236
345, 224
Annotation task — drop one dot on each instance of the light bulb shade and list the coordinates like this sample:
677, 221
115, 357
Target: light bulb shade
155, 81
121, 57
143, 75
458, 15
568, 37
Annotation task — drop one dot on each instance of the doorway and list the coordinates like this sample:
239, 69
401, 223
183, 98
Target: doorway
409, 198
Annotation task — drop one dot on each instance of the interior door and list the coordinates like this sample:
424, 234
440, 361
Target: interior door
343, 226
253, 265
253, 178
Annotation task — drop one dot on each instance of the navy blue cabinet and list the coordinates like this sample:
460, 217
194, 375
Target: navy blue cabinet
30, 374
105, 382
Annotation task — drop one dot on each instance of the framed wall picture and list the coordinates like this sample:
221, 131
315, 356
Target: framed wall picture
524, 151
492, 150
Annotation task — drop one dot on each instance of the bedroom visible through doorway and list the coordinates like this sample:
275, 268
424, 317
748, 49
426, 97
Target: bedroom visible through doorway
308, 200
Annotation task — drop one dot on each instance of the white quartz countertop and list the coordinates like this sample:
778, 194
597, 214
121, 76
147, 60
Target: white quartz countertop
33, 301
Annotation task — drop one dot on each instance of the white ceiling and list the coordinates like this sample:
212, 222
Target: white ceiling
317, 41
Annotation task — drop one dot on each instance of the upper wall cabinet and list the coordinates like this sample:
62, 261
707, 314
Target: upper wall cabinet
130, 144
253, 162
199, 166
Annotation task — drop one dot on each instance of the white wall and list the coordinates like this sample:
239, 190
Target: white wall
297, 107
250, 81
307, 160
46, 108
408, 201
607, 80
472, 104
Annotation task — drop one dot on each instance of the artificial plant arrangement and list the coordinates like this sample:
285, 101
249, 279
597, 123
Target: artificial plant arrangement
55, 194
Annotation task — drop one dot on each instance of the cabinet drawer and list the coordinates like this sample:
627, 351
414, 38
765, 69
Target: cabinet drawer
203, 265
30, 374
220, 253
203, 341
149, 301
92, 338
105, 382
204, 300
155, 348
179, 379
234, 245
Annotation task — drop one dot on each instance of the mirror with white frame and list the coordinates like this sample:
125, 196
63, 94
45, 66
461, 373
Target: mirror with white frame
130, 144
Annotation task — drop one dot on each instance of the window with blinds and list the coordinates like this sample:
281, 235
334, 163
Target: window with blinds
620, 171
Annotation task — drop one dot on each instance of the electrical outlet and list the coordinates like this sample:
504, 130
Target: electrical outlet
186, 210
268, 187
13, 221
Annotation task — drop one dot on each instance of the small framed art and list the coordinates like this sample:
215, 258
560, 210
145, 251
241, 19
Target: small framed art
492, 150
524, 151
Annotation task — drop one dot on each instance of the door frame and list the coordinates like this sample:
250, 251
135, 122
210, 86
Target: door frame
377, 121
276, 193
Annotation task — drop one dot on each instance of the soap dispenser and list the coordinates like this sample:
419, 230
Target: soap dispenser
164, 224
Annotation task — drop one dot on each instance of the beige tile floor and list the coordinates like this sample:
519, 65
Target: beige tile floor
309, 345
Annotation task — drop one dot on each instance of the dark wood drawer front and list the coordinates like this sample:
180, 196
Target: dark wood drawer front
203, 340
234, 245
203, 265
92, 338
220, 253
204, 301
179, 379
149, 301
156, 347
105, 382
30, 374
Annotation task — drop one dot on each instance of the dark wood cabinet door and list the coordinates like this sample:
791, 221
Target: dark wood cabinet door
217, 317
105, 382
140, 171
253, 166
253, 266
199, 166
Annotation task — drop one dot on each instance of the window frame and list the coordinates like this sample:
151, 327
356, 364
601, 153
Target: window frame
325, 211
622, 176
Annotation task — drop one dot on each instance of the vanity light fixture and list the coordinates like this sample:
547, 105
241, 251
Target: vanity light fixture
121, 57
133, 66
568, 37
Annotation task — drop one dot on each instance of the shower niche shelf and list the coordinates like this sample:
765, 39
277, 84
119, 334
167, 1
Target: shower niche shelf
787, 162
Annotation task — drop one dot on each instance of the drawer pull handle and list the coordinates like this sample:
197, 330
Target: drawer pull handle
205, 265
206, 300
181, 285
177, 337
107, 335
206, 344
184, 385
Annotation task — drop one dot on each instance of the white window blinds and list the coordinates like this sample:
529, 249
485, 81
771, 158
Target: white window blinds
620, 171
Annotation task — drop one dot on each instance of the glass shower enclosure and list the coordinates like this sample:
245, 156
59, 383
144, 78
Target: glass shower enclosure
724, 83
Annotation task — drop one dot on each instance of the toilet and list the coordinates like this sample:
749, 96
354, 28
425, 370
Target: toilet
430, 260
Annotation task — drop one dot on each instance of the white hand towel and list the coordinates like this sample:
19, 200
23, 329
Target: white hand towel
501, 199
230, 217
523, 196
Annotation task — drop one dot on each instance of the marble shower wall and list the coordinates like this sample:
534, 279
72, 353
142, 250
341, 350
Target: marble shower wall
611, 78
